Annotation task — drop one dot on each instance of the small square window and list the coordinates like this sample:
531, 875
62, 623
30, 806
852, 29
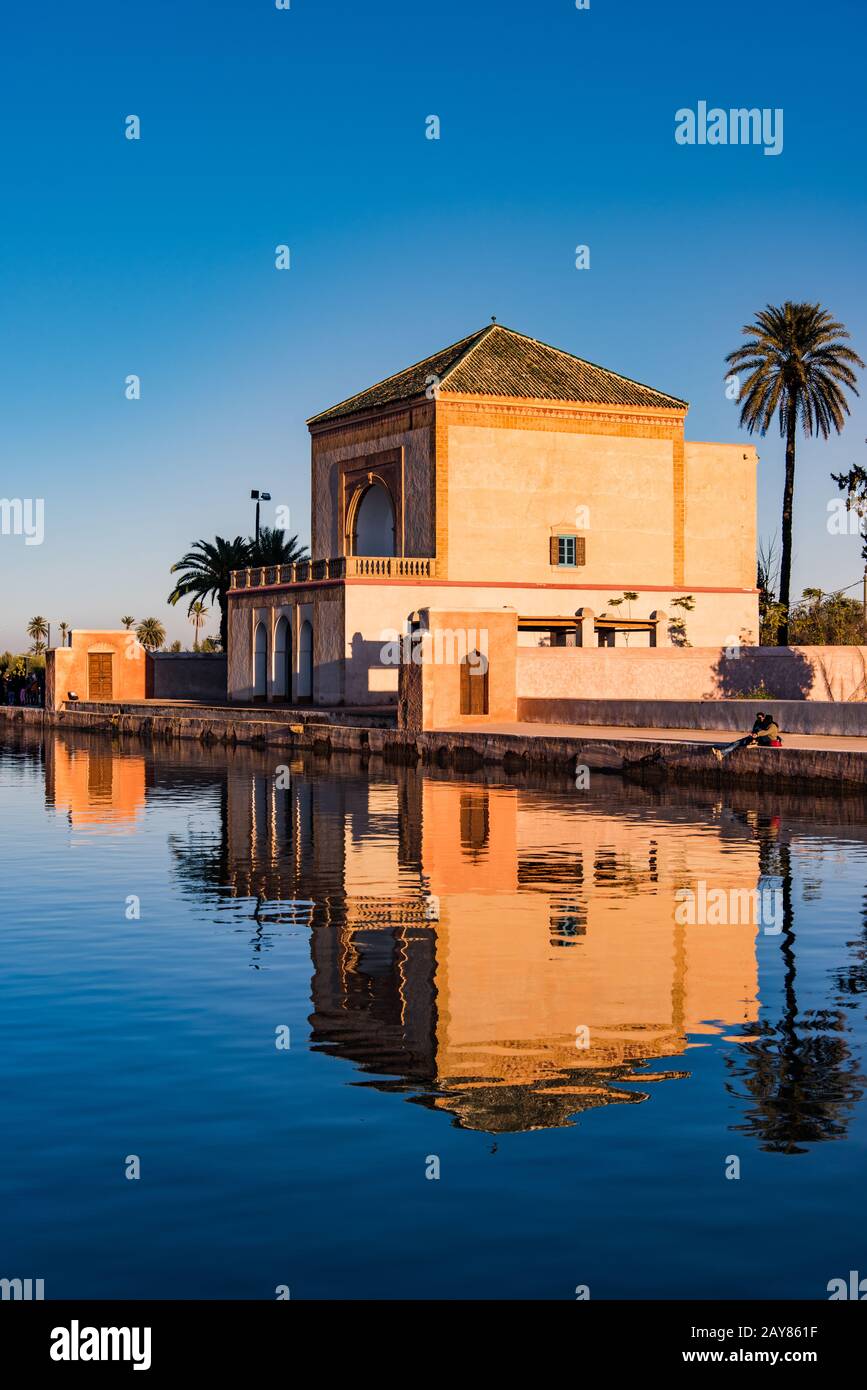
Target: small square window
566, 550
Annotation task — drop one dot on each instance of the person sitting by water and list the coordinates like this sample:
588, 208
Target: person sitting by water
765, 733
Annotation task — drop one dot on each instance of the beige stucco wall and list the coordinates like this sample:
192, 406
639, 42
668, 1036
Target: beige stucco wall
698, 673
374, 610
508, 490
354, 621
720, 514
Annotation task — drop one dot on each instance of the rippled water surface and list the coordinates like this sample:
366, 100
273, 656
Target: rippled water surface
487, 979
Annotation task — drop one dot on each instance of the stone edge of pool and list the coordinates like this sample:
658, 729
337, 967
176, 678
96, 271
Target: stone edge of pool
681, 761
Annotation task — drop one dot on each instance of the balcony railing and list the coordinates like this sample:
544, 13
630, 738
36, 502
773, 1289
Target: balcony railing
340, 567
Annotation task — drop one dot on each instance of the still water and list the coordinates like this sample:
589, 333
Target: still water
480, 978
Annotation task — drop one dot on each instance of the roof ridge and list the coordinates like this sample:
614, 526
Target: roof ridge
404, 371
586, 361
477, 340
517, 364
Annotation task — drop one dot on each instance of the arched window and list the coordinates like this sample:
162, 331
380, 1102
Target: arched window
305, 661
474, 684
373, 525
282, 687
260, 663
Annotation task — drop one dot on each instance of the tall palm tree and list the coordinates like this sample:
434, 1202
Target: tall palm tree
797, 367
64, 632
273, 548
37, 629
151, 633
198, 612
207, 573
128, 622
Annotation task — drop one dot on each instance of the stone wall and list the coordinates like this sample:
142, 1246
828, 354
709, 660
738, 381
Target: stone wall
186, 676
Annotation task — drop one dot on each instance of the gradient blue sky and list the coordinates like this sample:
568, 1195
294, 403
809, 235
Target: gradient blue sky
307, 126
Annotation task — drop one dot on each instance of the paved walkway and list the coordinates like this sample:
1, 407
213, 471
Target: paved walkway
621, 733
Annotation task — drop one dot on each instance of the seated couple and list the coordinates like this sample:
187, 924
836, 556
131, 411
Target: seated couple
765, 734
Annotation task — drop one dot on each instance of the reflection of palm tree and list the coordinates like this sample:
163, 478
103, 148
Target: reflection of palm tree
797, 1076
851, 981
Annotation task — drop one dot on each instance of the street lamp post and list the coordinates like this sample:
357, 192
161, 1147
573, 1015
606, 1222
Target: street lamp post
259, 497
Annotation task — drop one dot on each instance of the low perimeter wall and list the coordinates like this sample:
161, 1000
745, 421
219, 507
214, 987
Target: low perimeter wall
831, 674
793, 716
186, 676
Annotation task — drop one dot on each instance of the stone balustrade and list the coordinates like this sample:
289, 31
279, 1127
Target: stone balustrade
339, 567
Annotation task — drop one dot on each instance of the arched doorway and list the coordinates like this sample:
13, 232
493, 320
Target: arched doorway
282, 687
305, 661
260, 663
373, 524
474, 684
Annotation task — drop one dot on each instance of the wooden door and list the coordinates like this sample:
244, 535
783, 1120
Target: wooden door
99, 684
474, 684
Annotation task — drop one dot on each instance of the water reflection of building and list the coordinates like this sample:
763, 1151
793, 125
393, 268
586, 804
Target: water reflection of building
551, 920
96, 788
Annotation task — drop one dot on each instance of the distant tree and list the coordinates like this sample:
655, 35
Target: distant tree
176, 646
37, 629
206, 572
127, 622
38, 648
273, 548
151, 633
197, 612
211, 644
797, 367
820, 619
64, 632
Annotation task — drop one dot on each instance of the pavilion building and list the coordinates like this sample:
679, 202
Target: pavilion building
499, 473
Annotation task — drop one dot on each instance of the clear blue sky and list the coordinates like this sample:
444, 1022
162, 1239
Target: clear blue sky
307, 127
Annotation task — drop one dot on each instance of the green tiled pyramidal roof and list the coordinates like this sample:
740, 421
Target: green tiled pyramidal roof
497, 361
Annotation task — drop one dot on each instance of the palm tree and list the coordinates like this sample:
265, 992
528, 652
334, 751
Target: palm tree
198, 612
37, 648
37, 630
207, 573
273, 548
797, 368
64, 631
127, 622
151, 633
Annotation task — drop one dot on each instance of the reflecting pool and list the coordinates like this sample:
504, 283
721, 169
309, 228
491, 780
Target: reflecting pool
366, 1031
